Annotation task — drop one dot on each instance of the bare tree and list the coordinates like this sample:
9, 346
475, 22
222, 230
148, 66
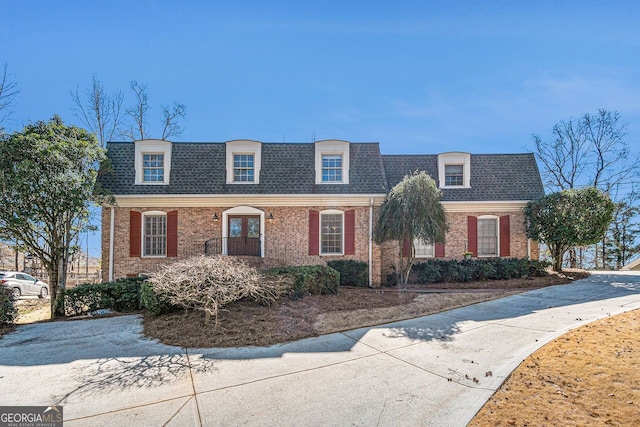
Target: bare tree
588, 151
8, 92
99, 111
170, 117
138, 112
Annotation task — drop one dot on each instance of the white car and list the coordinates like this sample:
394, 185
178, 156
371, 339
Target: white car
21, 284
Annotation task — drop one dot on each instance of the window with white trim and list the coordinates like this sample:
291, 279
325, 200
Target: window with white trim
331, 168
154, 235
152, 162
152, 167
422, 249
488, 236
454, 175
243, 168
331, 232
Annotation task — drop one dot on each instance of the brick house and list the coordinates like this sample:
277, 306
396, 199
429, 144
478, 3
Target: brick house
299, 204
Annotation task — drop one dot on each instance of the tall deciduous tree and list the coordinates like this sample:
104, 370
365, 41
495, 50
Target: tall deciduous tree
8, 92
412, 211
47, 176
588, 151
170, 115
99, 111
568, 218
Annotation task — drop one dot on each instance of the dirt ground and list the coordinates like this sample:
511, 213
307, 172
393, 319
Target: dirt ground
589, 376
246, 323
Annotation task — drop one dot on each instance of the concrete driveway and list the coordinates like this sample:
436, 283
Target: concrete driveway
435, 370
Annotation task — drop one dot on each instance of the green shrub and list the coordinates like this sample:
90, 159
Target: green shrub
440, 270
310, 279
122, 295
8, 311
152, 302
352, 273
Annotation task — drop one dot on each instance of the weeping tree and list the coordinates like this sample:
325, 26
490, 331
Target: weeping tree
568, 218
412, 211
47, 176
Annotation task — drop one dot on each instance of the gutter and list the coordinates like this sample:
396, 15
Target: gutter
371, 243
111, 244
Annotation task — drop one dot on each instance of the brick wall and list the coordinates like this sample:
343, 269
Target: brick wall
286, 238
457, 241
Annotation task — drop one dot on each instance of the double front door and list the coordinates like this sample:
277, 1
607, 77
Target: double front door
244, 235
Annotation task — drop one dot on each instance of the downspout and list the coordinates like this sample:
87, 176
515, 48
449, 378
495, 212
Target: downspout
529, 249
111, 237
371, 243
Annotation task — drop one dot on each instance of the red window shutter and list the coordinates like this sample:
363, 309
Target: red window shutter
472, 234
505, 236
439, 250
135, 233
406, 247
172, 234
314, 233
350, 232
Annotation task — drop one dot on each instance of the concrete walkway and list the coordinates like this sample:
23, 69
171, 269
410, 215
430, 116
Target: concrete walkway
435, 370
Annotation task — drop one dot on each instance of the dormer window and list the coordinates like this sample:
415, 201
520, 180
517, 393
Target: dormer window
454, 170
243, 168
153, 167
152, 162
453, 175
243, 163
331, 168
332, 162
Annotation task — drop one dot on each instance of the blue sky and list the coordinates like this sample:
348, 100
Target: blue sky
415, 76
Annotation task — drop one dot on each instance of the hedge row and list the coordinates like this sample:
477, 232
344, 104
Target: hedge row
8, 311
434, 271
310, 279
122, 295
352, 273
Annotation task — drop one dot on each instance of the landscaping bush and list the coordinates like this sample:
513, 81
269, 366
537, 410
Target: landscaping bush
8, 311
122, 295
209, 283
310, 279
439, 270
152, 302
352, 273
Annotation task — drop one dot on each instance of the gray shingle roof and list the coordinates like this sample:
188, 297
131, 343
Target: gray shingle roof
494, 177
199, 168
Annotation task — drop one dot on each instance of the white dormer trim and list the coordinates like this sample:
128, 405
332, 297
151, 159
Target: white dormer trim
244, 146
332, 147
455, 158
152, 146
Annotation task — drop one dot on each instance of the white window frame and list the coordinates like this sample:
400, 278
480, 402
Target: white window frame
332, 148
455, 159
243, 148
417, 243
331, 212
143, 236
144, 168
252, 168
151, 147
497, 223
332, 168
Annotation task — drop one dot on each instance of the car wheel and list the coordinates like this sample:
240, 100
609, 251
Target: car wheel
43, 292
15, 293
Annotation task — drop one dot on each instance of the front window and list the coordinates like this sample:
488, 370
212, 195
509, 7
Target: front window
331, 168
488, 237
155, 235
454, 175
331, 234
153, 167
243, 168
422, 249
